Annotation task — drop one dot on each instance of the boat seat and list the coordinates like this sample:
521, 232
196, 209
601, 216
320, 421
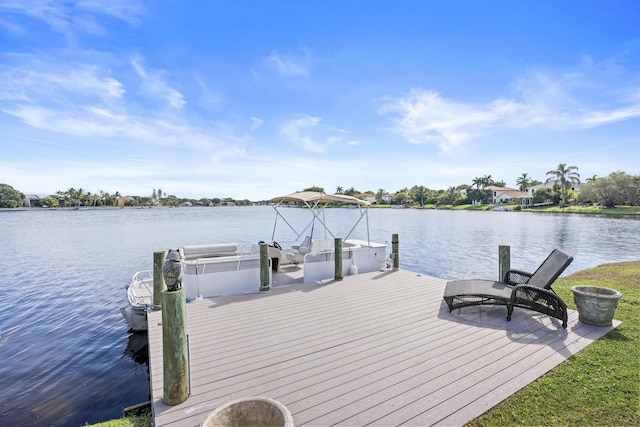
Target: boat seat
315, 246
208, 251
303, 247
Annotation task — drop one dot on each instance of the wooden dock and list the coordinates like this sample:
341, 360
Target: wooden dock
373, 349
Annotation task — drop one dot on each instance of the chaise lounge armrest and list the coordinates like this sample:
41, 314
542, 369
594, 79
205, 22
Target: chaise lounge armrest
538, 299
515, 277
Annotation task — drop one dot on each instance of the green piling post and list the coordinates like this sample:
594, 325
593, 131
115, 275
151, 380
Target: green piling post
395, 251
264, 268
504, 261
338, 258
175, 356
158, 279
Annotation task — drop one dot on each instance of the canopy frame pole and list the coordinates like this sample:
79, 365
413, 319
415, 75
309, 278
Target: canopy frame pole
363, 213
278, 214
322, 221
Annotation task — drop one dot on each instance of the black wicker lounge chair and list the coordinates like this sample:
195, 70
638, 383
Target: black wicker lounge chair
518, 289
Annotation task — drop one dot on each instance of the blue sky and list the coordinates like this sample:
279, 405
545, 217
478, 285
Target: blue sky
256, 99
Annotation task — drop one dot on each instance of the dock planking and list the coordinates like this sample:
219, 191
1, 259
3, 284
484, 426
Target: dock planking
378, 348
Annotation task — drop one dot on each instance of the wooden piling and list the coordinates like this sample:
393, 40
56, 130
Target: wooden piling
264, 268
158, 279
504, 261
395, 248
175, 357
338, 258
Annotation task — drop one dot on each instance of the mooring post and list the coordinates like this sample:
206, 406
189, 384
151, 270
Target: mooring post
158, 279
338, 258
175, 357
395, 251
504, 261
264, 268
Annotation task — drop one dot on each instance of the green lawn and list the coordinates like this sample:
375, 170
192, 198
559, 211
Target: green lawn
599, 386
140, 418
590, 210
620, 210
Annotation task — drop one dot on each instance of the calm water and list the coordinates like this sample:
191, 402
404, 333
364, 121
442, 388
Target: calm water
67, 358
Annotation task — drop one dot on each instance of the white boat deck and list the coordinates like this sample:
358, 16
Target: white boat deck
378, 348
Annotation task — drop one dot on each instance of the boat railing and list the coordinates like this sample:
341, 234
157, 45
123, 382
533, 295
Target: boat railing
141, 279
220, 264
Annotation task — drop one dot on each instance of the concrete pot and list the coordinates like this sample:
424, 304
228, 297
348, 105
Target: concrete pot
250, 412
596, 305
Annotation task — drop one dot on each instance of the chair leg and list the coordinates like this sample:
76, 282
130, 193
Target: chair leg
509, 312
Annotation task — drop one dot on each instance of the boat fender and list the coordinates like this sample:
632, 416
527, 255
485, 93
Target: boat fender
353, 270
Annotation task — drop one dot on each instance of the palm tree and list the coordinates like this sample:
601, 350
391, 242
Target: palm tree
64, 196
448, 196
564, 174
339, 190
419, 192
523, 181
477, 181
351, 192
481, 182
74, 195
593, 178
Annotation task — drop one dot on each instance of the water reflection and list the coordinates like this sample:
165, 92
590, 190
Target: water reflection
138, 349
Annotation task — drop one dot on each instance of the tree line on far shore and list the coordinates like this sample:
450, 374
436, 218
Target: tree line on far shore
618, 188
72, 197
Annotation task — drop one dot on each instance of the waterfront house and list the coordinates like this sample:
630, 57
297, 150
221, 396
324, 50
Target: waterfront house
496, 191
122, 201
33, 200
371, 198
512, 197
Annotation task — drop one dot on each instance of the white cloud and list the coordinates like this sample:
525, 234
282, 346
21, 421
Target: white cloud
12, 27
298, 130
424, 116
87, 100
153, 83
70, 17
128, 11
290, 66
208, 97
573, 100
308, 133
256, 123
37, 80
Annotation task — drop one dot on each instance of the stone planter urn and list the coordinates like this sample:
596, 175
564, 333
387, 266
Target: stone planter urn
596, 305
250, 412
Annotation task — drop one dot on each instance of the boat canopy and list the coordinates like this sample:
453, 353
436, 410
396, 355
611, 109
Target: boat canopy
317, 198
316, 201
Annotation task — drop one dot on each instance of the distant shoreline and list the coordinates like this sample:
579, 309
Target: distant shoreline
585, 210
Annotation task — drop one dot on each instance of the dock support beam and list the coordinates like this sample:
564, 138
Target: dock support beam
395, 251
175, 356
158, 279
264, 268
504, 261
338, 258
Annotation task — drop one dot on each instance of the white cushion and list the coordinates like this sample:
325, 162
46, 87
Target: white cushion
207, 251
